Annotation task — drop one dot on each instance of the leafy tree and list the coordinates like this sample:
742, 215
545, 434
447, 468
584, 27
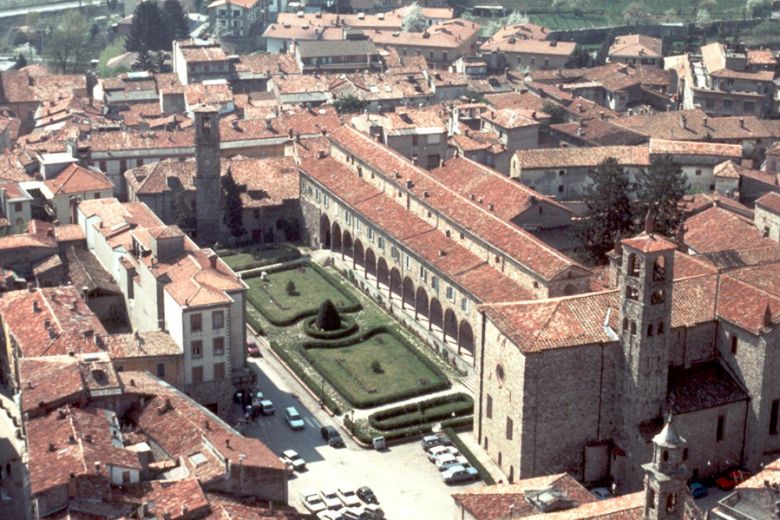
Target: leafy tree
637, 13
175, 22
158, 61
328, 316
513, 18
21, 61
147, 30
703, 16
349, 105
603, 52
233, 217
662, 187
290, 288
608, 216
414, 21
579, 59
184, 217
759, 8
68, 46
557, 113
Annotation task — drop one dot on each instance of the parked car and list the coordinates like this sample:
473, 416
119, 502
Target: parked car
356, 513
601, 493
447, 461
438, 451
293, 418
332, 435
252, 350
257, 398
459, 474
267, 407
329, 515
348, 497
698, 490
292, 458
365, 494
376, 512
331, 498
731, 479
438, 439
313, 501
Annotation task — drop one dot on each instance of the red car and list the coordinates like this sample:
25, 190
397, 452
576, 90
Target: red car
252, 349
731, 479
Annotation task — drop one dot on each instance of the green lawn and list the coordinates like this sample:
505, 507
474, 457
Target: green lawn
402, 373
270, 296
253, 257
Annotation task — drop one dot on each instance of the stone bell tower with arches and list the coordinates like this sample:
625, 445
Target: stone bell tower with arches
208, 182
665, 476
645, 316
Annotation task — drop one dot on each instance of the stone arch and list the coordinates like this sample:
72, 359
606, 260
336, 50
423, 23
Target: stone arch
633, 327
409, 296
421, 303
395, 282
633, 265
370, 262
382, 272
650, 330
324, 231
465, 337
659, 269
450, 326
346, 244
335, 238
360, 257
436, 314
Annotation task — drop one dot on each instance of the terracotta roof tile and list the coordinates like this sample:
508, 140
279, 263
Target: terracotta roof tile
591, 157
770, 201
636, 45
717, 229
78, 179
649, 243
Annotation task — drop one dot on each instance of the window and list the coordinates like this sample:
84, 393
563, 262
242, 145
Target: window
489, 407
380, 243
698, 172
196, 323
749, 106
464, 304
370, 234
415, 140
407, 263
560, 188
727, 103
734, 344
685, 453
161, 370
196, 349
561, 172
325, 200
102, 166
773, 417
139, 162
721, 428
651, 498
509, 429
218, 319
450, 293
394, 254
423, 274
122, 165
197, 374
317, 195
219, 346
18, 207
435, 283
219, 371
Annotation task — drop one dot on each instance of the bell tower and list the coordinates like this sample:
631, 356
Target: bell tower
208, 183
665, 476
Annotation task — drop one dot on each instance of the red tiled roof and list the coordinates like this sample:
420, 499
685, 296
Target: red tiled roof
636, 45
77, 179
649, 243
770, 201
717, 229
458, 263
472, 215
589, 157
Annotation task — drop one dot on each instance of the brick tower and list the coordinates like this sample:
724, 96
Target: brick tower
208, 184
665, 475
645, 317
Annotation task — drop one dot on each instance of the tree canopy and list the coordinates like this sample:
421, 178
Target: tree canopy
662, 187
328, 316
69, 46
414, 21
175, 22
147, 31
349, 105
609, 213
233, 216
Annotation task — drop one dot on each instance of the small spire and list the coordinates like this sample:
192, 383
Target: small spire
668, 436
650, 220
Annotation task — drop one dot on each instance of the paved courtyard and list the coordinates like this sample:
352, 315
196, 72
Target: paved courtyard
402, 478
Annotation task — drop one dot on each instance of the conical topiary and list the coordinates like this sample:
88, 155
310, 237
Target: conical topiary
328, 316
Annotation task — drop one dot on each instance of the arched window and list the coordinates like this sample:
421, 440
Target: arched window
657, 297
659, 269
660, 328
665, 455
625, 324
632, 293
633, 265
671, 502
633, 328
650, 330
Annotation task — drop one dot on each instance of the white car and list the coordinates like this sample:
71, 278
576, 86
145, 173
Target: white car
437, 451
329, 515
356, 513
348, 497
447, 461
313, 501
331, 499
377, 512
292, 458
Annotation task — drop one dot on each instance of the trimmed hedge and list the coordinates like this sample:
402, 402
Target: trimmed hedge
255, 324
425, 412
348, 326
466, 452
442, 382
353, 304
314, 386
289, 253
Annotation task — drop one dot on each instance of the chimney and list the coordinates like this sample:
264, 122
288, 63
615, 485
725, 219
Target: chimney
213, 260
601, 115
683, 121
71, 439
704, 122
579, 131
321, 154
490, 206
290, 133
442, 252
88, 438
741, 122
52, 447
36, 306
409, 184
227, 443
